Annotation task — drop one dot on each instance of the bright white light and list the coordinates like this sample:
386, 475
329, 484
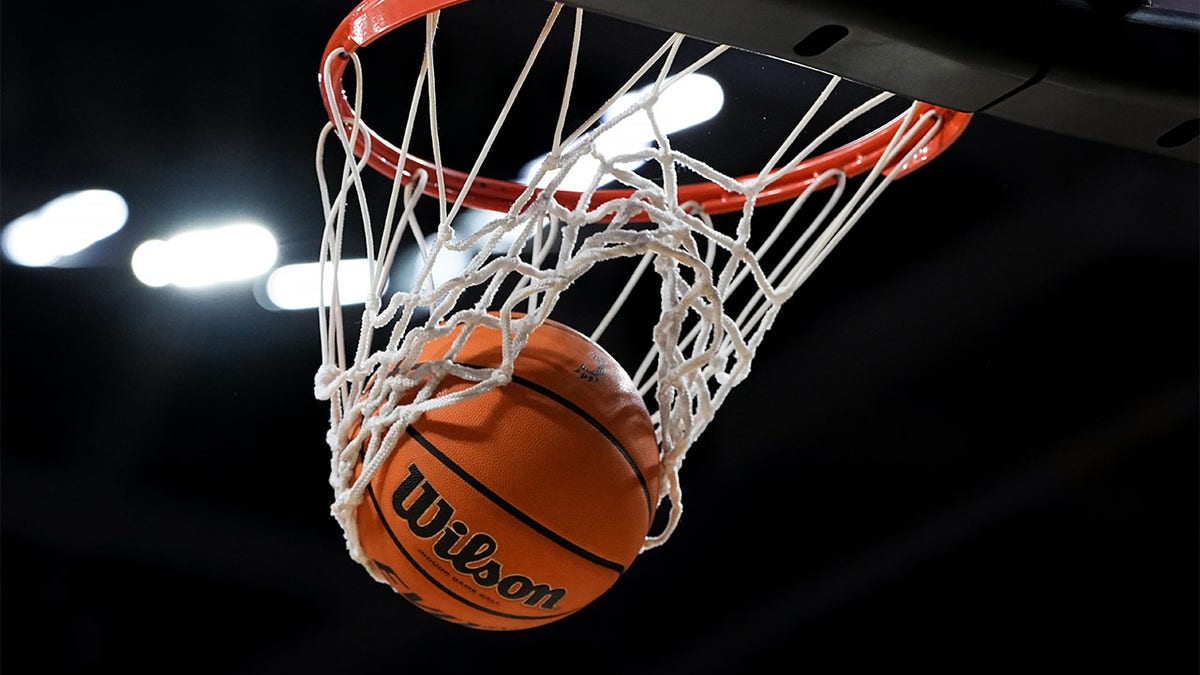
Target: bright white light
578, 177
150, 263
206, 256
468, 222
691, 100
63, 227
299, 286
449, 264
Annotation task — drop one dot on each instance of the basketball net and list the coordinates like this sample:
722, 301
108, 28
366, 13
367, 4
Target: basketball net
718, 296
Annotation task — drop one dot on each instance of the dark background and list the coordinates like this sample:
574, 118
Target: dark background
969, 444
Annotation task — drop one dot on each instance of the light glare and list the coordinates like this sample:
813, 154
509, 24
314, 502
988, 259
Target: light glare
63, 227
206, 256
692, 100
299, 286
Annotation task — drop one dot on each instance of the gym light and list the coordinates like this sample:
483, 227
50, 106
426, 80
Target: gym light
693, 100
206, 256
63, 227
299, 286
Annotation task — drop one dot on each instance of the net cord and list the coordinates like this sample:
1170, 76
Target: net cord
700, 347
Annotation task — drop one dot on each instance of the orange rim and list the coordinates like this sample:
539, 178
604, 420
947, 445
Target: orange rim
375, 18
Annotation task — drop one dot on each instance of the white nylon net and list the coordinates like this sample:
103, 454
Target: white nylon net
718, 296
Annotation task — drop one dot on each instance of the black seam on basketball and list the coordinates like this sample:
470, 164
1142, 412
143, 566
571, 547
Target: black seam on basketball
583, 414
412, 561
513, 510
570, 405
588, 418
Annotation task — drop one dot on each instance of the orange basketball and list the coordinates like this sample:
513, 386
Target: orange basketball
520, 506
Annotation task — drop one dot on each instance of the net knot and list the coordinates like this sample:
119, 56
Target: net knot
326, 381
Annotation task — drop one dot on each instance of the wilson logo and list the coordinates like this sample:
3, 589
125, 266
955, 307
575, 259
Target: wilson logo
467, 553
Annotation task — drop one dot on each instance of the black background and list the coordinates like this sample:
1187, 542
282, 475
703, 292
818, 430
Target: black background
970, 444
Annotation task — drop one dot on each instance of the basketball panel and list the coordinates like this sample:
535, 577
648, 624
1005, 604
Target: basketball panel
563, 364
546, 463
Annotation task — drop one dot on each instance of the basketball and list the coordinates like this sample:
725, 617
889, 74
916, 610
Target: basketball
520, 506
